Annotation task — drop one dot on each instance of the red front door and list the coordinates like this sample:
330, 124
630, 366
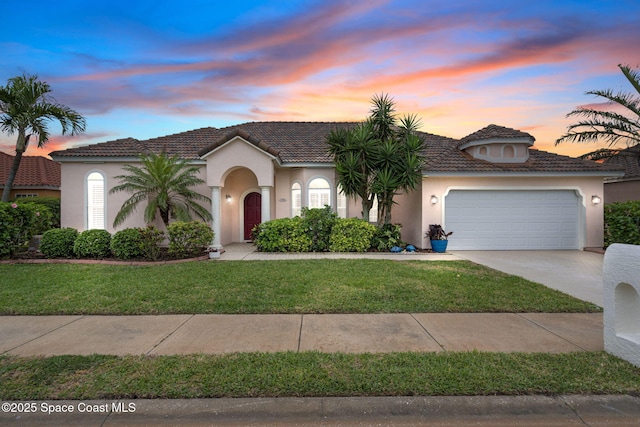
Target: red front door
252, 213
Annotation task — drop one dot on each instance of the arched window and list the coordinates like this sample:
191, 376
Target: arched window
296, 199
95, 201
319, 193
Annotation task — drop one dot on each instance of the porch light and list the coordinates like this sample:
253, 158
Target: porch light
434, 199
596, 200
228, 198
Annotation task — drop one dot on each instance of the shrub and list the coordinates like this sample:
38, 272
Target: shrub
58, 242
93, 244
622, 223
351, 235
282, 235
151, 239
52, 203
127, 244
318, 223
188, 238
387, 237
18, 223
42, 220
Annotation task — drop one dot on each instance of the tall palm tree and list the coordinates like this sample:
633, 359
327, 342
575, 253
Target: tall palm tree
165, 183
26, 108
608, 125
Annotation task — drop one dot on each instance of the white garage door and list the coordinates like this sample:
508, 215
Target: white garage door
512, 220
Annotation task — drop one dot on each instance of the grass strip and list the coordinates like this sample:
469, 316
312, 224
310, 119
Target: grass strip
282, 286
314, 374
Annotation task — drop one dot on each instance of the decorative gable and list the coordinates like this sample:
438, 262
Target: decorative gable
498, 144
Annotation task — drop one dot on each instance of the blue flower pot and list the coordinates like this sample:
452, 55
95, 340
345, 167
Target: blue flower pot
439, 246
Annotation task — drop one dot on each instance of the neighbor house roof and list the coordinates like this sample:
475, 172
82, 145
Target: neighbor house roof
34, 172
304, 143
627, 160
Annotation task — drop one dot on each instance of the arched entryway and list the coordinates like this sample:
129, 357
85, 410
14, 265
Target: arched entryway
252, 213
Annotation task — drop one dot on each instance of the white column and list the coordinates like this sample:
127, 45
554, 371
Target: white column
266, 203
216, 214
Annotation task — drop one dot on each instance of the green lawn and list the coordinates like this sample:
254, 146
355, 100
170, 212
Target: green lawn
300, 286
314, 374
303, 286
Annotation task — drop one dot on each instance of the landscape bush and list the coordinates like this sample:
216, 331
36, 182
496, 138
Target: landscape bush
14, 221
93, 244
52, 203
351, 235
387, 236
188, 238
151, 239
622, 223
317, 224
282, 235
58, 242
19, 223
127, 244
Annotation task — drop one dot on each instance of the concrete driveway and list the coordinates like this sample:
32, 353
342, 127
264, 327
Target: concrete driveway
577, 273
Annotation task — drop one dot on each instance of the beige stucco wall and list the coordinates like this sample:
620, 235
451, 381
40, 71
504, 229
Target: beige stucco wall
73, 196
239, 154
585, 187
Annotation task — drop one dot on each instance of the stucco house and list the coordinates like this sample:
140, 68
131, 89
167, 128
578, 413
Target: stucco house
37, 177
491, 188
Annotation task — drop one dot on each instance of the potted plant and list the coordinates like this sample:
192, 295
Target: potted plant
438, 238
213, 252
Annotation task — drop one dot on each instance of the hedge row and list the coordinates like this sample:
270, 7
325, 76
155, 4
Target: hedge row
186, 239
319, 230
622, 223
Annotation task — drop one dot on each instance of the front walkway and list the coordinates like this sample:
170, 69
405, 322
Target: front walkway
247, 252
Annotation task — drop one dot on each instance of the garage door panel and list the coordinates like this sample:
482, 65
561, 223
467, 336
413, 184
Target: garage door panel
512, 220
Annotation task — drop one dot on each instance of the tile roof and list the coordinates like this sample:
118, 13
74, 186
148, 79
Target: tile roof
495, 132
627, 160
304, 142
33, 171
292, 142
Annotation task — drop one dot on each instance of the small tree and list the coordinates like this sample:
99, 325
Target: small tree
378, 158
165, 183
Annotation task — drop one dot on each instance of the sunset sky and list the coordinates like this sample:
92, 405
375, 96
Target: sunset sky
143, 69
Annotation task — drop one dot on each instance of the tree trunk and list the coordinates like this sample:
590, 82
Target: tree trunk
21, 147
12, 176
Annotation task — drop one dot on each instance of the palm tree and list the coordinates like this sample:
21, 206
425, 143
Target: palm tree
608, 125
165, 183
377, 158
26, 108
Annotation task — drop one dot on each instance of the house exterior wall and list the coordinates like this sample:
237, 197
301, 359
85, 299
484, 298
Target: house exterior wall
408, 212
622, 191
593, 215
39, 192
74, 197
239, 154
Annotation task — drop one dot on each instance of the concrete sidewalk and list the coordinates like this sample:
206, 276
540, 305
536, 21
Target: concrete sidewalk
349, 333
